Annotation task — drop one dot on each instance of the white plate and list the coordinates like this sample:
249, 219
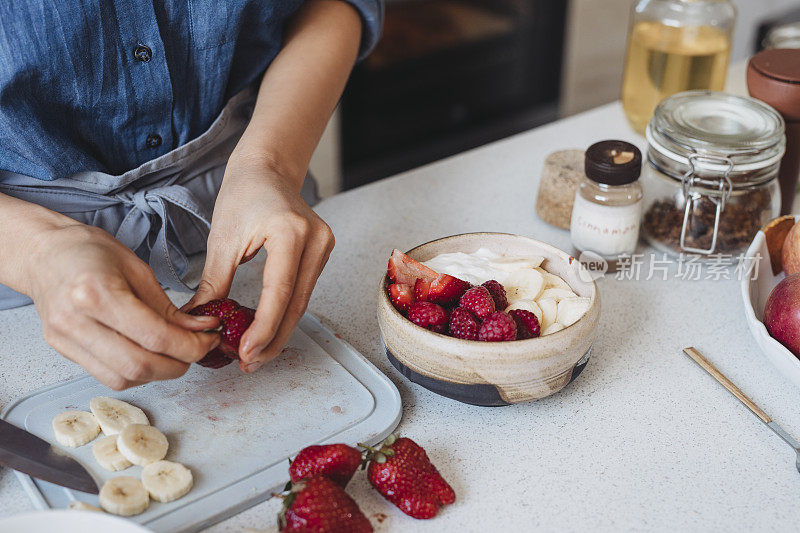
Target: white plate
68, 522
756, 286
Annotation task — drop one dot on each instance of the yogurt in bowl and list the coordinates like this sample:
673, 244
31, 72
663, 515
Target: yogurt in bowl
528, 286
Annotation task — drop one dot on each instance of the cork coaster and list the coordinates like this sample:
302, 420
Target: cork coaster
561, 177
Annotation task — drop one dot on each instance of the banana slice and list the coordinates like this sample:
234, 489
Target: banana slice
554, 327
549, 311
75, 428
511, 264
113, 414
524, 285
142, 444
558, 294
107, 455
77, 505
552, 281
124, 496
570, 310
527, 305
166, 481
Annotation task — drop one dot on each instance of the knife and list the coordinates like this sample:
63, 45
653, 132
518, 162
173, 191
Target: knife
27, 453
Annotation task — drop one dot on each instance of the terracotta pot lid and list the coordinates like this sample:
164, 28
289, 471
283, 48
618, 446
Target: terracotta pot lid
782, 64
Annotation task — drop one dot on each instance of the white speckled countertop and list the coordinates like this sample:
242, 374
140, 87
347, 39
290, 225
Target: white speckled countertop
643, 439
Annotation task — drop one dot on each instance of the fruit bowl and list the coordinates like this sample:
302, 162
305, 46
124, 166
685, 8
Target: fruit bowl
758, 280
492, 373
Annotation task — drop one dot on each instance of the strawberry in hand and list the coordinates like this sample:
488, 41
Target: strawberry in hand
338, 462
401, 471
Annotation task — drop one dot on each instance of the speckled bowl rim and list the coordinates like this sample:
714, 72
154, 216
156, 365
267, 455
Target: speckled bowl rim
561, 253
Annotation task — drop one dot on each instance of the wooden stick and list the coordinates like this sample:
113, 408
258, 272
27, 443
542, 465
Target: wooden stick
725, 382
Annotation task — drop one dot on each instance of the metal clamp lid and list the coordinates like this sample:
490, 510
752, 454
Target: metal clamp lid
725, 188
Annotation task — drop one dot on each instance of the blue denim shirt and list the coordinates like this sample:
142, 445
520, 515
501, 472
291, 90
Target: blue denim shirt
106, 85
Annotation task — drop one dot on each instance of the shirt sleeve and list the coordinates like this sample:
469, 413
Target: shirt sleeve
371, 12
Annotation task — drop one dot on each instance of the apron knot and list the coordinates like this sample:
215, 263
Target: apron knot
140, 202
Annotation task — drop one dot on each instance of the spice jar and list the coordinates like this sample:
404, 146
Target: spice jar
710, 177
607, 210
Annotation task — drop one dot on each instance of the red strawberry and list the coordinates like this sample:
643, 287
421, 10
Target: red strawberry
318, 505
429, 316
422, 289
463, 325
478, 301
527, 323
215, 359
498, 293
403, 269
498, 326
401, 471
234, 321
401, 296
447, 289
338, 462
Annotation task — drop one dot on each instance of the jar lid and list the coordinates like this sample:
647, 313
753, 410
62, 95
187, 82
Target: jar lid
613, 162
713, 128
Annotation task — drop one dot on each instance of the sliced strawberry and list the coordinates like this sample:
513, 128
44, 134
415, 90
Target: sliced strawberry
403, 269
446, 289
402, 296
421, 290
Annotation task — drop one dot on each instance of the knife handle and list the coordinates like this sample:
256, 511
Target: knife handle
725, 382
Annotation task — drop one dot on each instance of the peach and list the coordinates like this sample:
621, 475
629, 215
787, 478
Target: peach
790, 255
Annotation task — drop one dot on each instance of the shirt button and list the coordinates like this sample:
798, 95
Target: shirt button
153, 140
143, 53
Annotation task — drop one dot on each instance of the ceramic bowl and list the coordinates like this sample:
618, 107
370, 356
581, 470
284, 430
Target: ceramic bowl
492, 373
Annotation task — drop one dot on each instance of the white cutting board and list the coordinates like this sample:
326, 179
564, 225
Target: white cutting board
235, 432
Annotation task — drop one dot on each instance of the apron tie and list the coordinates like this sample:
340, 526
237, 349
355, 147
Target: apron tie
157, 206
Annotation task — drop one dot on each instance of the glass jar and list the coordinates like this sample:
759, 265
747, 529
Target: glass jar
607, 212
674, 46
710, 178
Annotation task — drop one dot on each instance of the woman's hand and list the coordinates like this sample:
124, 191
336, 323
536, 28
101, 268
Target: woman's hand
259, 207
101, 307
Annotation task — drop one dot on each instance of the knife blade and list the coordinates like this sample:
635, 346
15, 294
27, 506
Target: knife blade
27, 453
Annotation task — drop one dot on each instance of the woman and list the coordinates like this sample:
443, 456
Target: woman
123, 124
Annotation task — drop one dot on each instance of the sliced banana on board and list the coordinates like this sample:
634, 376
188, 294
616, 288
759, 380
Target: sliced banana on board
124, 496
142, 444
510, 264
113, 415
524, 285
75, 428
527, 305
108, 456
78, 505
166, 481
570, 310
552, 328
549, 311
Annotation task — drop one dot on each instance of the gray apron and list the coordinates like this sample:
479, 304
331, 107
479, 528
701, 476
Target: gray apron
160, 210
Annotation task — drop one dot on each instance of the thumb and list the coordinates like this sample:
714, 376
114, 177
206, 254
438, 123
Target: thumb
217, 277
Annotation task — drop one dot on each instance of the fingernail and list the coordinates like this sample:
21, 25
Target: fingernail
252, 367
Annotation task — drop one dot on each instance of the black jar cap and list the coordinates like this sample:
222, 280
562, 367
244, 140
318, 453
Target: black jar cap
613, 162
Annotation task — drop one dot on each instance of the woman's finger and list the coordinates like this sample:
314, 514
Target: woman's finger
284, 252
120, 310
218, 271
312, 263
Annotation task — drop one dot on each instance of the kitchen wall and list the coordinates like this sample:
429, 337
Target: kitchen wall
593, 63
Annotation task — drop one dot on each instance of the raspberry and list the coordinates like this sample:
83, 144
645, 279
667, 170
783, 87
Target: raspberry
527, 323
498, 326
478, 301
463, 325
498, 294
429, 316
